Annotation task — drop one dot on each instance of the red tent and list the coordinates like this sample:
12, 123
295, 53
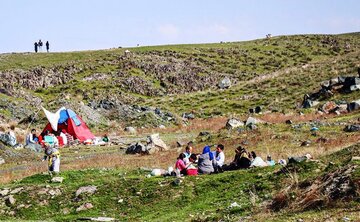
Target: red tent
67, 119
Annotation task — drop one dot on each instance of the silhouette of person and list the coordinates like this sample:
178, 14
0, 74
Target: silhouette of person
47, 46
40, 45
36, 46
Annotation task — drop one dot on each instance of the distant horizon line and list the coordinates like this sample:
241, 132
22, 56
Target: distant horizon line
170, 44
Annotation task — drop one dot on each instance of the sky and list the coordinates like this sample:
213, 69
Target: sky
74, 25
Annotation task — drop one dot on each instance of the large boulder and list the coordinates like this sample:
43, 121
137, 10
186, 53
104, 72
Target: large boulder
155, 140
225, 83
233, 123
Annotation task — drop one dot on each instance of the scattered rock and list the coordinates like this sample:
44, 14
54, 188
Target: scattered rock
44, 203
234, 204
352, 128
130, 129
66, 211
177, 182
87, 189
188, 116
4, 192
289, 122
104, 219
10, 200
2, 161
306, 143
181, 143
258, 109
136, 148
55, 192
233, 124
355, 158
225, 83
162, 127
57, 179
85, 206
252, 121
16, 190
204, 133
354, 105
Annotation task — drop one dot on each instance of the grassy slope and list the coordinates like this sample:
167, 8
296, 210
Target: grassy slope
283, 57
202, 198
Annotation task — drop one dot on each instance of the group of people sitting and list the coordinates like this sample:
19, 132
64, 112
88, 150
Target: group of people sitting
209, 162
47, 138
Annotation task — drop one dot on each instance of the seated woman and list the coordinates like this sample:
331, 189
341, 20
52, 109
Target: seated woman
206, 161
241, 160
191, 170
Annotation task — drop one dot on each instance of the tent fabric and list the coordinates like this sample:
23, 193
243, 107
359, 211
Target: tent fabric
71, 122
53, 117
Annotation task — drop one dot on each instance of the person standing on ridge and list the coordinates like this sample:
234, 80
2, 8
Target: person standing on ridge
36, 46
40, 45
47, 46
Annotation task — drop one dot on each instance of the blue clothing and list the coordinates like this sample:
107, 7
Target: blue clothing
207, 150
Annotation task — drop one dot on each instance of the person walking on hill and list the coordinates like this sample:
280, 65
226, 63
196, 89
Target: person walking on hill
47, 46
36, 47
40, 44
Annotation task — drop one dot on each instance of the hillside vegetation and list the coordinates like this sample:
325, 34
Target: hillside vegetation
314, 191
273, 73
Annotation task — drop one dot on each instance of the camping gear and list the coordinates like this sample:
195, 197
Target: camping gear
68, 120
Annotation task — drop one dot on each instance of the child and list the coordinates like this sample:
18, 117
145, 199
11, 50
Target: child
53, 156
180, 167
191, 170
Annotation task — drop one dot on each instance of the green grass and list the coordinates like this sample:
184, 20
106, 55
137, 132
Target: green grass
131, 196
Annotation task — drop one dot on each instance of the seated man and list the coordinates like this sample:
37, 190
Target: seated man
219, 158
32, 141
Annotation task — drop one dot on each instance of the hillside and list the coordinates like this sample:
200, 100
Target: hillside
179, 92
117, 84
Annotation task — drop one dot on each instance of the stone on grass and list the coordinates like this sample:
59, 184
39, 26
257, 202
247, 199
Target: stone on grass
104, 219
2, 161
289, 122
225, 83
234, 123
16, 190
85, 206
155, 140
57, 179
10, 200
86, 189
130, 129
4, 192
